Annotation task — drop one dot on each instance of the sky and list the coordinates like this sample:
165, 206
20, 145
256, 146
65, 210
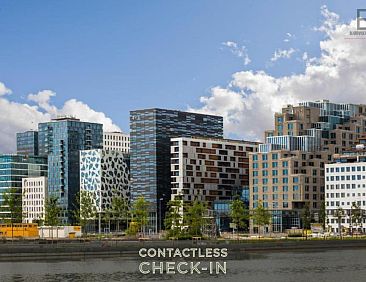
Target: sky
243, 60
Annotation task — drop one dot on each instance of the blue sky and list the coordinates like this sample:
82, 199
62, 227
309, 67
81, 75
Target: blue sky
118, 56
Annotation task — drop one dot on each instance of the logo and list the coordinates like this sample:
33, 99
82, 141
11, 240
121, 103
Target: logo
360, 31
361, 19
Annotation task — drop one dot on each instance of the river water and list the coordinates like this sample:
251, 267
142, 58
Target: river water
337, 265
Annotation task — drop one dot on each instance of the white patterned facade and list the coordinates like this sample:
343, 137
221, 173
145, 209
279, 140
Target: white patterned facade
116, 141
105, 174
34, 195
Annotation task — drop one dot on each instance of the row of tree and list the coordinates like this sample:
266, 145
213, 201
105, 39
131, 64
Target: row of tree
190, 220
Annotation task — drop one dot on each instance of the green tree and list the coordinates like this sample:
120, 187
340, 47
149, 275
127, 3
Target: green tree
238, 213
261, 216
339, 214
107, 217
306, 218
120, 210
12, 204
356, 217
52, 212
173, 218
323, 215
195, 218
85, 209
140, 213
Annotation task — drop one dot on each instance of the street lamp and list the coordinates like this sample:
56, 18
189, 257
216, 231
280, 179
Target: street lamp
160, 213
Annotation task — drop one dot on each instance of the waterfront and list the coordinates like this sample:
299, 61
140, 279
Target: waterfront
330, 265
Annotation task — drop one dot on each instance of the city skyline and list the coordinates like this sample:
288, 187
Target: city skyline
249, 74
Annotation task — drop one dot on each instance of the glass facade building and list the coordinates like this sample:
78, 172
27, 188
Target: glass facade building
15, 167
61, 140
151, 131
27, 143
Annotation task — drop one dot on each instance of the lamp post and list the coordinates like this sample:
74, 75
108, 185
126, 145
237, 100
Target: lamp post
160, 213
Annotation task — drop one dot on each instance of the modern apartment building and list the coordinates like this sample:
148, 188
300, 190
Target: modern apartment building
116, 141
288, 170
284, 181
105, 174
61, 139
314, 126
34, 197
27, 143
13, 168
345, 188
209, 170
151, 131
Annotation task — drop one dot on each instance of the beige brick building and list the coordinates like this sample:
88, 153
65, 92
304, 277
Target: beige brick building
288, 170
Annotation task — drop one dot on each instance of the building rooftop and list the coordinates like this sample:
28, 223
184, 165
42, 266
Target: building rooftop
220, 140
63, 118
170, 110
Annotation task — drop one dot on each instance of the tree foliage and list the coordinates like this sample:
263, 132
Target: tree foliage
13, 205
356, 216
238, 213
119, 210
306, 216
52, 212
339, 214
261, 216
174, 218
323, 215
194, 218
85, 208
139, 213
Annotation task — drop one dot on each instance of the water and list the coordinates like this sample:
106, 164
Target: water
338, 265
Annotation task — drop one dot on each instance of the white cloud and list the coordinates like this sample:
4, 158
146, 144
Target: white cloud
305, 56
288, 37
330, 21
42, 98
239, 51
17, 117
279, 53
4, 90
250, 100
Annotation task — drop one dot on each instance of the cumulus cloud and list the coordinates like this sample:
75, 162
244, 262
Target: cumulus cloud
17, 117
250, 100
330, 21
42, 98
286, 54
4, 90
239, 51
